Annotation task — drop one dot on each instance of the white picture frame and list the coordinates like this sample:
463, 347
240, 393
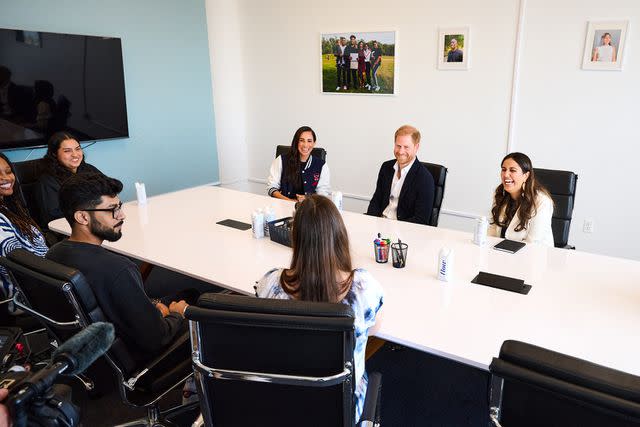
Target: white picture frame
448, 60
600, 34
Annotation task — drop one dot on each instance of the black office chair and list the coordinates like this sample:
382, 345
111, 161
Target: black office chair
317, 152
562, 186
268, 362
439, 174
63, 300
27, 176
533, 386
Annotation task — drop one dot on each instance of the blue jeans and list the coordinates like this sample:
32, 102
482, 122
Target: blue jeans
373, 73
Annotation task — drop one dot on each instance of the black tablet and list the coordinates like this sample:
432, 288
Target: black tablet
510, 246
235, 224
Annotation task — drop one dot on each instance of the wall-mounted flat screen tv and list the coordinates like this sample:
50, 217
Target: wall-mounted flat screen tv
52, 82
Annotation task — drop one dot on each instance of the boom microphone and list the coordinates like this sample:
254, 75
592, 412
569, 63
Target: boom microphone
72, 357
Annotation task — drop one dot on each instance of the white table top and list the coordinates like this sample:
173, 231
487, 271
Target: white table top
581, 304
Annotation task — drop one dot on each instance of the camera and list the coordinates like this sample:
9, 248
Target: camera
35, 401
50, 408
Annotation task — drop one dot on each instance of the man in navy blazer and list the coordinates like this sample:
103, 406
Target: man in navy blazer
405, 188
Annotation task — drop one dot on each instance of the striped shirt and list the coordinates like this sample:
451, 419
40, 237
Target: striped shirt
11, 238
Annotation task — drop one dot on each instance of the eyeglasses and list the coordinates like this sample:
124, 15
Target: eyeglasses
115, 211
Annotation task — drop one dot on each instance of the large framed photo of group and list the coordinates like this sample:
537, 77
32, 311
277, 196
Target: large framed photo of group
358, 62
604, 45
454, 48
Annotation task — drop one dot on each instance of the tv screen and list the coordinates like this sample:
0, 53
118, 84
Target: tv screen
52, 82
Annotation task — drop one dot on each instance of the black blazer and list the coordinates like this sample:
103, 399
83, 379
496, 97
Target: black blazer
416, 196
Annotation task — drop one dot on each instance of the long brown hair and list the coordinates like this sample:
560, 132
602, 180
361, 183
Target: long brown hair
13, 208
320, 252
525, 205
292, 171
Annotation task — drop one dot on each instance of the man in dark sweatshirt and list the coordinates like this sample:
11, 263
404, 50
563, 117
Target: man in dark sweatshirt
91, 205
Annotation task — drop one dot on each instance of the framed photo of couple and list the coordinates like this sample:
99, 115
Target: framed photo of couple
454, 48
604, 45
357, 62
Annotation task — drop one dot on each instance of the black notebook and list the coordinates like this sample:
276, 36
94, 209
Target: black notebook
510, 246
502, 282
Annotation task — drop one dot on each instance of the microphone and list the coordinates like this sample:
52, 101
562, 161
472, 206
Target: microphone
82, 349
72, 357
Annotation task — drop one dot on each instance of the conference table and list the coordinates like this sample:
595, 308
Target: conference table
581, 304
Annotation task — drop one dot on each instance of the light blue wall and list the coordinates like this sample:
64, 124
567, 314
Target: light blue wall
172, 142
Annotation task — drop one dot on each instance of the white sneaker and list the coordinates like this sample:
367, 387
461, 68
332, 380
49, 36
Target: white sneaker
344, 87
338, 88
377, 88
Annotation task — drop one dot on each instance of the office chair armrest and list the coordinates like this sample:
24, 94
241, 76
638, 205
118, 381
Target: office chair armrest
371, 411
170, 363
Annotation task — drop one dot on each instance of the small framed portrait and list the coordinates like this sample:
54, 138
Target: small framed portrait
454, 51
604, 46
357, 62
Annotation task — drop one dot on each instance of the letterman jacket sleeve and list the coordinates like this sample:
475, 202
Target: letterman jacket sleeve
275, 172
324, 185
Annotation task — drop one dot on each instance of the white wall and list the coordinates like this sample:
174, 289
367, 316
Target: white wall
585, 121
227, 69
463, 115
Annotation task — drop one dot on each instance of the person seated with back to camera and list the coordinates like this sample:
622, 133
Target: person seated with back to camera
17, 229
321, 270
298, 173
63, 159
91, 205
405, 188
522, 207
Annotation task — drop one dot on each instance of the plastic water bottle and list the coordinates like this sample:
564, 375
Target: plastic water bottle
336, 197
257, 224
269, 215
445, 264
480, 234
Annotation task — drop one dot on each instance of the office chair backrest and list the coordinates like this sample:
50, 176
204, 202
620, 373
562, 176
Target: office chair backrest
545, 388
27, 174
317, 152
562, 186
61, 293
267, 336
439, 174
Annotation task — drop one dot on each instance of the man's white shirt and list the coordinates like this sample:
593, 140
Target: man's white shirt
391, 211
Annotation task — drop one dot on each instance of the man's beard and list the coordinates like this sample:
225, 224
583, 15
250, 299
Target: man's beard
105, 233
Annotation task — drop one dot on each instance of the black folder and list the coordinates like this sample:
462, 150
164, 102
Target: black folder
502, 282
235, 224
511, 246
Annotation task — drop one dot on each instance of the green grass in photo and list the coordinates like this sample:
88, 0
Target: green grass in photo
330, 76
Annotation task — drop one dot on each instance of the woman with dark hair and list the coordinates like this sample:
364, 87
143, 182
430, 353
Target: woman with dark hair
522, 207
63, 159
17, 229
297, 173
321, 270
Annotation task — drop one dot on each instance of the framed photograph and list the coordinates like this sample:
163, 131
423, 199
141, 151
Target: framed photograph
358, 62
604, 45
454, 51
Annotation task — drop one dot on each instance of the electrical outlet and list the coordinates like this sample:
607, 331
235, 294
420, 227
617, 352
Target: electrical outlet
587, 226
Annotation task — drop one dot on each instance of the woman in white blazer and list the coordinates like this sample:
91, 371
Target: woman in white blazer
522, 207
